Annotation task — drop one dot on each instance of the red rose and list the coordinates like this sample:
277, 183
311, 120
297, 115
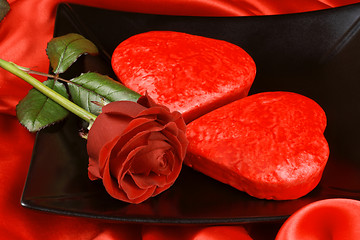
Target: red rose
137, 149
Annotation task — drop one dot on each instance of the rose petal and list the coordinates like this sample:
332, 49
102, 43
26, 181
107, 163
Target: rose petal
105, 128
111, 123
131, 149
178, 119
159, 190
126, 108
148, 102
137, 126
123, 157
97, 165
151, 159
159, 178
162, 115
142, 124
176, 168
133, 191
177, 139
122, 149
140, 138
105, 154
150, 180
122, 162
93, 169
161, 181
112, 186
127, 191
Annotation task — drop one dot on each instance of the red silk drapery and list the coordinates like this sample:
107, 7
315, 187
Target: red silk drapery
24, 34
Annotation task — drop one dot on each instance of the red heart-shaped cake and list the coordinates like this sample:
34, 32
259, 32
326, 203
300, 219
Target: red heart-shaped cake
270, 145
187, 73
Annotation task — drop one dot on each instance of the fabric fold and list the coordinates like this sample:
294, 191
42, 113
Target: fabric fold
24, 34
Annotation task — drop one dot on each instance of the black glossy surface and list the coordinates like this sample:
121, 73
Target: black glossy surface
315, 54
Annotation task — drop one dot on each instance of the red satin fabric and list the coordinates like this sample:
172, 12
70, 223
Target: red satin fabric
24, 34
195, 233
326, 219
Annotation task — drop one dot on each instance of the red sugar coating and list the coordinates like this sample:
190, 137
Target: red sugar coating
270, 145
187, 73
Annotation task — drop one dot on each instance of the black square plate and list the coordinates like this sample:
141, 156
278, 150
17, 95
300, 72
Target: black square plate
315, 54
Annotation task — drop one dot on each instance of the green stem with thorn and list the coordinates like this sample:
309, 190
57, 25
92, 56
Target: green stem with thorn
53, 95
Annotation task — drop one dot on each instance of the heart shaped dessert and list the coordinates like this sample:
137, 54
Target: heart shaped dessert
270, 145
187, 73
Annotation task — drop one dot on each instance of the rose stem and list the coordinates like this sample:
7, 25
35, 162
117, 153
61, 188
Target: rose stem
53, 95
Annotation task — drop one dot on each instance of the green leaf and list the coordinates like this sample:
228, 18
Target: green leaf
36, 111
4, 9
93, 87
65, 50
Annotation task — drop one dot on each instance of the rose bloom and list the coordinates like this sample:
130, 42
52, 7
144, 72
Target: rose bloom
136, 148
